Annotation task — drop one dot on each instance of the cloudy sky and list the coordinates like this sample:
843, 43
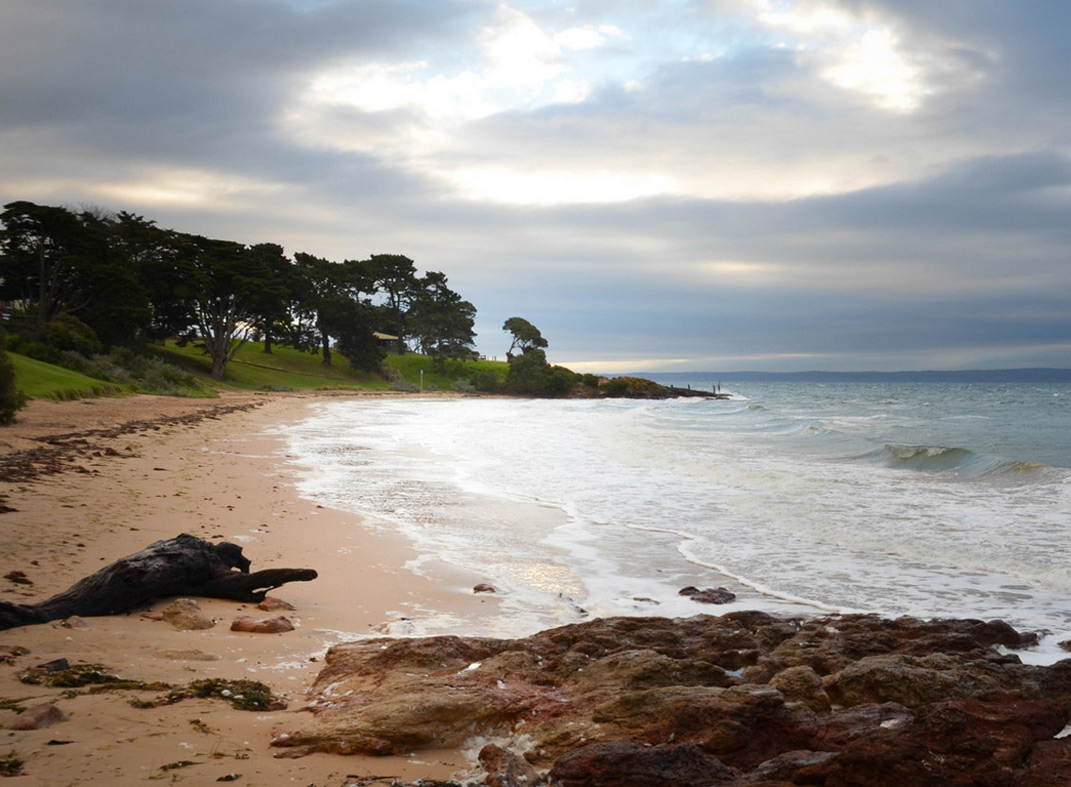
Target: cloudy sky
656, 184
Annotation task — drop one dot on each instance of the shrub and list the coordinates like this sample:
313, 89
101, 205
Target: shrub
487, 381
67, 332
11, 398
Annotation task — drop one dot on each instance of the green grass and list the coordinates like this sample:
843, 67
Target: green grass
409, 366
284, 368
254, 370
40, 380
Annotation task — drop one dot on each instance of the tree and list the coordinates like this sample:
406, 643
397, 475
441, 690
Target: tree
270, 302
321, 298
157, 256
59, 262
225, 280
440, 320
46, 253
395, 277
353, 324
525, 336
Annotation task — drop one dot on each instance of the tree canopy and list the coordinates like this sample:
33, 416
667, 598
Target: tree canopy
123, 280
525, 336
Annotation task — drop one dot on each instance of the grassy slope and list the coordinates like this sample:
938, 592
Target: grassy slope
39, 380
409, 366
254, 370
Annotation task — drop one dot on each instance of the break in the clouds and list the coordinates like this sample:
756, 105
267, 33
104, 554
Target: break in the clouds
688, 184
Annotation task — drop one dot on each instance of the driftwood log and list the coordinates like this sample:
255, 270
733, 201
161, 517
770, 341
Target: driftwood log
181, 566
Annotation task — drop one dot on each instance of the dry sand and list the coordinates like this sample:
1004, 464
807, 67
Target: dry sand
145, 470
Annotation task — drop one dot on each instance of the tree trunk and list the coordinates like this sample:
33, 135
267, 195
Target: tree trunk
181, 566
325, 343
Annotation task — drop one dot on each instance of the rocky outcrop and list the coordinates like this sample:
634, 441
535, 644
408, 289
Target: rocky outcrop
744, 698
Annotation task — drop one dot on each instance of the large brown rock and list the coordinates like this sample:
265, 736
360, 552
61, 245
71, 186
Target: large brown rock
744, 698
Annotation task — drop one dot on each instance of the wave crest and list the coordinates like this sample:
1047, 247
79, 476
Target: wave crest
926, 457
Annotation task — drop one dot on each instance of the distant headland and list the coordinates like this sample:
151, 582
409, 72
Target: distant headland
991, 376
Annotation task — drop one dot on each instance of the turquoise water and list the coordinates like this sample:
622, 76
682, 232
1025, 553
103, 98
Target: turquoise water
898, 498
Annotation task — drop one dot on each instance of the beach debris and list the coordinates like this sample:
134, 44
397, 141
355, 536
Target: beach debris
248, 695
18, 577
483, 587
59, 674
75, 622
185, 614
11, 765
8, 653
251, 625
718, 595
186, 655
38, 717
180, 566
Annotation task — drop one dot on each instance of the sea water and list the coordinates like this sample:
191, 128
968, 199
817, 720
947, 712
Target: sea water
923, 499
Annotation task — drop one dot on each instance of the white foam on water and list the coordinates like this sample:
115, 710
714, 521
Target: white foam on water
577, 509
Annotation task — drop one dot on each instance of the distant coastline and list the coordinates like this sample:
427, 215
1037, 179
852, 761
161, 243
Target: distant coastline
1034, 375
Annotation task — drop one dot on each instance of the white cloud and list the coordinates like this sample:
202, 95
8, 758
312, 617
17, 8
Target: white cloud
518, 52
556, 187
859, 53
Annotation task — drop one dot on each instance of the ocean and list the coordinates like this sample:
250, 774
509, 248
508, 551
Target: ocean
899, 498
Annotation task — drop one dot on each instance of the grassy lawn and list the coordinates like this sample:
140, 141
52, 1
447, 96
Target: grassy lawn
284, 368
40, 380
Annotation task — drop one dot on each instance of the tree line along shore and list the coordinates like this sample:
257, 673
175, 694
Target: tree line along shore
96, 303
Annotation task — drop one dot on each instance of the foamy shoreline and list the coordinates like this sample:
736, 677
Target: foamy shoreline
222, 476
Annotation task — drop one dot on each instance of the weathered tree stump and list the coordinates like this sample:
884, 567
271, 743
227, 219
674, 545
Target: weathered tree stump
181, 566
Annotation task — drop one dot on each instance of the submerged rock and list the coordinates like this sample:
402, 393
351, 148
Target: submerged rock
744, 698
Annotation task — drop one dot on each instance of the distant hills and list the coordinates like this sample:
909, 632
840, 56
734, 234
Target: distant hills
1037, 375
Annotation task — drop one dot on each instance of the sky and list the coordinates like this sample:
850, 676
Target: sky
657, 185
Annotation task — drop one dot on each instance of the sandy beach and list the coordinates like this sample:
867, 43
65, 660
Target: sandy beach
127, 472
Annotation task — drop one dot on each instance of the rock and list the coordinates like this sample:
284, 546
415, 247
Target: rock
506, 769
953, 742
75, 622
623, 764
1050, 762
794, 767
708, 596
802, 684
272, 604
38, 717
185, 614
741, 698
915, 681
265, 626
483, 587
